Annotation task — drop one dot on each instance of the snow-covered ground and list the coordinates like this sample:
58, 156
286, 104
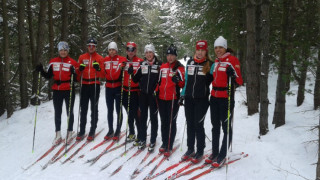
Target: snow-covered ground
288, 152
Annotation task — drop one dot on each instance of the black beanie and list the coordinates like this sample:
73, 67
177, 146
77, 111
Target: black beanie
172, 50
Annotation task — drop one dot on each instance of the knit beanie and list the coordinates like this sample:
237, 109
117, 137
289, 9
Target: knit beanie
221, 41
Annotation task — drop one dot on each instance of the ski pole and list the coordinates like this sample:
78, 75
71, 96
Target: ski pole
95, 103
184, 130
69, 113
128, 112
228, 129
35, 116
121, 97
171, 120
79, 103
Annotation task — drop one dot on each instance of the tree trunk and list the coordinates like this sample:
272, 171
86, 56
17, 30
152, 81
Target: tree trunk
264, 101
283, 76
64, 20
252, 73
318, 163
5, 92
40, 45
258, 55
98, 24
316, 97
84, 25
23, 62
31, 33
303, 77
51, 42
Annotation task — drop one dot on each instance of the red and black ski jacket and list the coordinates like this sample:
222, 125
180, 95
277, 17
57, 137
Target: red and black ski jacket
61, 69
89, 74
112, 70
134, 86
147, 76
220, 77
167, 88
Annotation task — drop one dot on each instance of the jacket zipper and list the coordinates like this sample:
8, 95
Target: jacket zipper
195, 80
61, 65
111, 68
149, 72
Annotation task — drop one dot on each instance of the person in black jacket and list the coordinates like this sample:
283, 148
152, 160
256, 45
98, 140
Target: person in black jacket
196, 96
147, 75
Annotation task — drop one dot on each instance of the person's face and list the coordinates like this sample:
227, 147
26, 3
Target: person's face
112, 52
171, 58
131, 52
200, 53
149, 55
63, 53
91, 48
219, 51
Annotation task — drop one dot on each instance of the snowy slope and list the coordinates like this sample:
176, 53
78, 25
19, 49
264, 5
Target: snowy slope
280, 154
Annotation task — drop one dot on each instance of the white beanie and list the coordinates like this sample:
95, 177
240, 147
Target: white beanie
149, 47
221, 41
113, 45
62, 45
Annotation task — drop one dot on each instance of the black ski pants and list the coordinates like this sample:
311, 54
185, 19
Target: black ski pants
113, 95
89, 92
195, 111
168, 115
58, 97
145, 101
219, 117
134, 111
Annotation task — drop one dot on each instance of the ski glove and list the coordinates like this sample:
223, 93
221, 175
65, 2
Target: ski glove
230, 72
130, 70
96, 66
72, 70
181, 100
39, 68
175, 79
123, 64
82, 66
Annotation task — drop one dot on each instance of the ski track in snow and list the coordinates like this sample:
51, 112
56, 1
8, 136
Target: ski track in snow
287, 148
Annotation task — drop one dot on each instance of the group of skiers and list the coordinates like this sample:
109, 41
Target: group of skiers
141, 84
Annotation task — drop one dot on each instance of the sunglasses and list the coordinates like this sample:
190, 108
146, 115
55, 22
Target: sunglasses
91, 46
131, 49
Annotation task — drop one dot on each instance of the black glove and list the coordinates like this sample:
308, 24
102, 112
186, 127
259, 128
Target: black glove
39, 68
130, 70
230, 72
175, 79
180, 102
72, 70
96, 66
82, 66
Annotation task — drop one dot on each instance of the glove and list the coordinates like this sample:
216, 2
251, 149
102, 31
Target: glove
180, 102
82, 66
175, 79
72, 70
39, 68
123, 64
96, 66
130, 70
230, 72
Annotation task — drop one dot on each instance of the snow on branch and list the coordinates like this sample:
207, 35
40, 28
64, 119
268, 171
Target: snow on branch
112, 20
79, 7
110, 34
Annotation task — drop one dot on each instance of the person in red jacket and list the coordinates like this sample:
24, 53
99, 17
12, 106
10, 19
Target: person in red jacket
171, 80
61, 69
112, 65
226, 66
132, 63
89, 72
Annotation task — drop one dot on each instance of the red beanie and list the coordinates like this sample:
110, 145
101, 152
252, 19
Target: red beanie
131, 44
202, 44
